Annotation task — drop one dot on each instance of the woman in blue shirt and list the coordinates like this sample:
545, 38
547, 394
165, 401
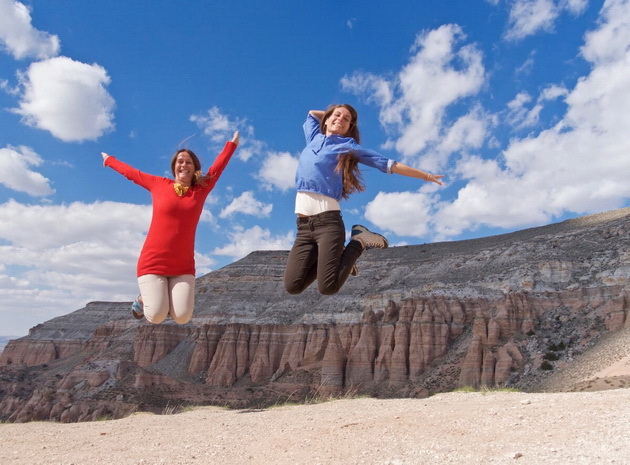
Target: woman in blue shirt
327, 172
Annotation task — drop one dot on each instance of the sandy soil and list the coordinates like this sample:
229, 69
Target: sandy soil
463, 428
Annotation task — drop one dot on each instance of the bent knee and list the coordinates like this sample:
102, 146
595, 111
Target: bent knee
182, 320
293, 286
328, 290
154, 319
293, 290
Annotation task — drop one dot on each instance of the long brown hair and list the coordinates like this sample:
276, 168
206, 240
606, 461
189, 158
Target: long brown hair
352, 180
198, 177
347, 163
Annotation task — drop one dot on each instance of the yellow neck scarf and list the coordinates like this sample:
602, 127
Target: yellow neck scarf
179, 189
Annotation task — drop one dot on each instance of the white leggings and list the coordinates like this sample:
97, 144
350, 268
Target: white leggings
164, 295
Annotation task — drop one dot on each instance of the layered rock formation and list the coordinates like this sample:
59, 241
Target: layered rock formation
497, 311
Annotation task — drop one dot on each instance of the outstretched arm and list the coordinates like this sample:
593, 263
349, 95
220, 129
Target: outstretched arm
405, 170
142, 179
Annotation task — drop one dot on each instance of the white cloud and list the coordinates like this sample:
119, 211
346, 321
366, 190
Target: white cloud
67, 98
98, 244
609, 43
11, 282
5, 86
20, 38
574, 6
403, 213
579, 165
465, 133
414, 104
215, 124
219, 128
492, 197
203, 263
278, 168
520, 116
553, 92
23, 307
15, 172
247, 204
528, 17
374, 89
256, 238
278, 171
110, 223
55, 258
206, 214
527, 66
249, 147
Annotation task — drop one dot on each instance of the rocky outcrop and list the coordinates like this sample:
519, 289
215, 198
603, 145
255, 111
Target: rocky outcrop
31, 353
154, 342
500, 311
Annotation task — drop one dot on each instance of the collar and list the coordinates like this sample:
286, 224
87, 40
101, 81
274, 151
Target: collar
179, 189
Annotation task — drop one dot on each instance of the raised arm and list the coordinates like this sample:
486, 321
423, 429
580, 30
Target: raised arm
142, 179
319, 114
400, 168
222, 159
236, 138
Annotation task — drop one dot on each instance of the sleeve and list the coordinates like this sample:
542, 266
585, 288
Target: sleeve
373, 159
311, 128
142, 179
221, 161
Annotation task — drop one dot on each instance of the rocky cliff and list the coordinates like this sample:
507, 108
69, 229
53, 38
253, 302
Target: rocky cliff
498, 311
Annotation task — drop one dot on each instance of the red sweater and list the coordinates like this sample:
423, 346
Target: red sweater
169, 248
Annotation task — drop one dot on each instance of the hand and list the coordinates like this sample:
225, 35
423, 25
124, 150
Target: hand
435, 178
236, 138
319, 114
105, 157
400, 168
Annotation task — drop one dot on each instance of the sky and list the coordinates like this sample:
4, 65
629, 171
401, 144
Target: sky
521, 104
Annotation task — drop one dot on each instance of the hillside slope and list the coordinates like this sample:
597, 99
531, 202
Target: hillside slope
515, 310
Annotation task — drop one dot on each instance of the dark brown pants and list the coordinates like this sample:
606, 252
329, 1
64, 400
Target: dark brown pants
318, 253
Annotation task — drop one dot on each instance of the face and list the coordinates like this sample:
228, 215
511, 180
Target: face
184, 169
339, 122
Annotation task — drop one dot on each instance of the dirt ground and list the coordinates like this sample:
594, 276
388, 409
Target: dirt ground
591, 426
459, 428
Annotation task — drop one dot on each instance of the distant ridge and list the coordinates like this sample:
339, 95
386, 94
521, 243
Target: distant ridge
512, 310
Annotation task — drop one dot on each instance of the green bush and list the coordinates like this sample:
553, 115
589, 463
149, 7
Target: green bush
557, 348
551, 356
545, 365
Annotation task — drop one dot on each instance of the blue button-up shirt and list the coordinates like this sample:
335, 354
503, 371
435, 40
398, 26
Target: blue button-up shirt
316, 166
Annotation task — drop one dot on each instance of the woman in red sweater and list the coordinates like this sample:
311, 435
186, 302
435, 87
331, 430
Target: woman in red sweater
166, 267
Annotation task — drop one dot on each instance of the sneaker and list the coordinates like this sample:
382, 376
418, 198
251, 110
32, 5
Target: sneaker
367, 238
137, 310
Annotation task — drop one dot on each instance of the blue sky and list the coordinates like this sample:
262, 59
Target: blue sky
521, 104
